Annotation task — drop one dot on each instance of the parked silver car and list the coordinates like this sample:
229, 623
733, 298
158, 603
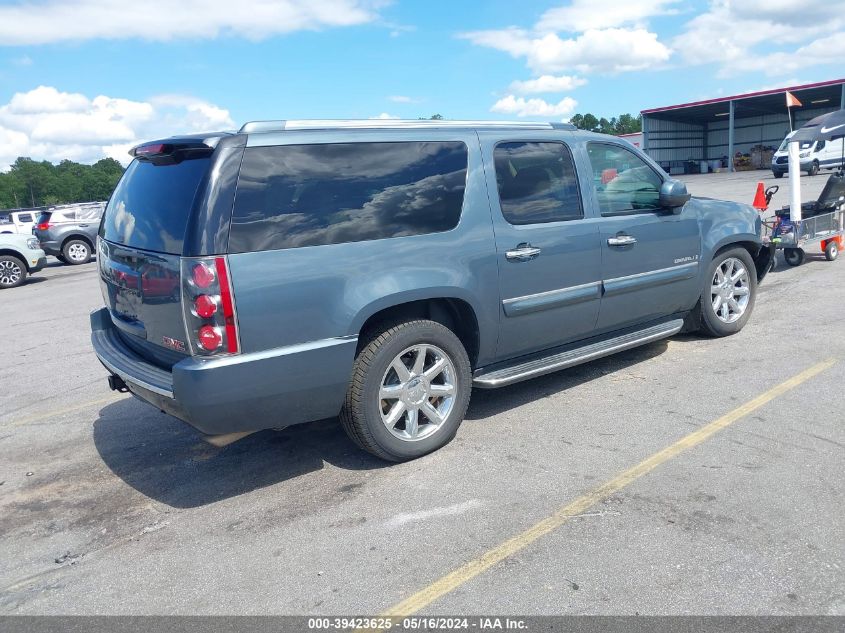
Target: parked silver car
69, 232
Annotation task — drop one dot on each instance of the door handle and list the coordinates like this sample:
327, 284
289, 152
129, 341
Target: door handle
621, 240
522, 253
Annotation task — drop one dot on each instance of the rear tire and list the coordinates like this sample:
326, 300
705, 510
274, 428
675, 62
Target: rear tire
12, 271
793, 256
831, 251
777, 174
730, 289
405, 372
814, 169
76, 252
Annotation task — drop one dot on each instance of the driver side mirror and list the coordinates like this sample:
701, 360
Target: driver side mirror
673, 195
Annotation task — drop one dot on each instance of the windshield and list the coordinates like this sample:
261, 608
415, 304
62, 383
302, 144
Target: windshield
804, 145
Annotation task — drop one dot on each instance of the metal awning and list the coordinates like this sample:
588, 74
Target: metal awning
818, 95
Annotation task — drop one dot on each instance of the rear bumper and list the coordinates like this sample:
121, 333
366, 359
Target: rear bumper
245, 392
51, 247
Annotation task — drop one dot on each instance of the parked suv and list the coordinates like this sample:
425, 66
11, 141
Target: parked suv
19, 256
69, 232
380, 270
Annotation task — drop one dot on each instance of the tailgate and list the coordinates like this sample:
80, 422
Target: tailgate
142, 291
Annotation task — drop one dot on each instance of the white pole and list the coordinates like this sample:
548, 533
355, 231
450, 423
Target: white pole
794, 182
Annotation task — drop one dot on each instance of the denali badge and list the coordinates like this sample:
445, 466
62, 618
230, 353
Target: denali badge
688, 258
172, 343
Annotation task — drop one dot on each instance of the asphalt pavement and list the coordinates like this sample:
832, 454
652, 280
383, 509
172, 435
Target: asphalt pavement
108, 506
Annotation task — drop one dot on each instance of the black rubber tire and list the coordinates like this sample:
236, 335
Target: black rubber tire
831, 251
20, 264
360, 416
793, 256
76, 262
777, 174
711, 325
814, 169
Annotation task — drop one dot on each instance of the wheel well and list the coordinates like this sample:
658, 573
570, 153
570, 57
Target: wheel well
15, 254
81, 238
455, 314
758, 252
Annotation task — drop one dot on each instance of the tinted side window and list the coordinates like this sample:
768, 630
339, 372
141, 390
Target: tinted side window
25, 217
537, 183
91, 213
623, 182
309, 195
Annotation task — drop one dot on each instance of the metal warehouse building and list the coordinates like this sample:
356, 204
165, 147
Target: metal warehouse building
680, 137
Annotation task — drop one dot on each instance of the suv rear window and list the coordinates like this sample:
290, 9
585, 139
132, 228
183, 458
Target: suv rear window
150, 207
309, 195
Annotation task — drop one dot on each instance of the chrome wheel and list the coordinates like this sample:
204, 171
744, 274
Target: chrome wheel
417, 392
77, 252
730, 291
10, 273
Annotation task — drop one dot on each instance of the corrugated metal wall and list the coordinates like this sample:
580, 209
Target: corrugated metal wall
766, 130
673, 142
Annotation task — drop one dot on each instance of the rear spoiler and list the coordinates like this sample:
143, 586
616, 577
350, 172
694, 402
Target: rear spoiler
174, 150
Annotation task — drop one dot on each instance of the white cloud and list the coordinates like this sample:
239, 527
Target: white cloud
597, 50
585, 15
47, 124
751, 36
547, 83
385, 115
401, 99
31, 23
23, 60
534, 107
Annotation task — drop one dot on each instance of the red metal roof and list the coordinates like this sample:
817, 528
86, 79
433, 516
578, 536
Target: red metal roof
761, 93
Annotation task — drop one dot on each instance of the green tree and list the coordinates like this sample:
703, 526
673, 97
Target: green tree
623, 124
32, 183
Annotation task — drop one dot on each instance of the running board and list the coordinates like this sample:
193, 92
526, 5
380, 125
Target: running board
563, 360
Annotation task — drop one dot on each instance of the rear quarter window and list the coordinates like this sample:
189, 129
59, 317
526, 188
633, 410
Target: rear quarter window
291, 196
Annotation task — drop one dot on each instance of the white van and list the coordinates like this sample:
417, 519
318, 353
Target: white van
814, 155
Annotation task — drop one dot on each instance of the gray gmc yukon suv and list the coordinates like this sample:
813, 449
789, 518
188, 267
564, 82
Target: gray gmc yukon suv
379, 270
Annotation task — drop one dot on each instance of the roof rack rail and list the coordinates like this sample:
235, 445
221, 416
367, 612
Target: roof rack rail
334, 124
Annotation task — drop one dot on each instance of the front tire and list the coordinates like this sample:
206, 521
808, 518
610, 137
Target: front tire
814, 169
777, 174
76, 252
12, 271
409, 391
730, 290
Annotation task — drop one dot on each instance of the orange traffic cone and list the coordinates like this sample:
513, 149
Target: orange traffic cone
760, 198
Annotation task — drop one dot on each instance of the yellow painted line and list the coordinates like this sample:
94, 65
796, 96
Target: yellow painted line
49, 414
473, 568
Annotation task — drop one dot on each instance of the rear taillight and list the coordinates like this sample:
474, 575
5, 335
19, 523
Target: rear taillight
209, 307
43, 226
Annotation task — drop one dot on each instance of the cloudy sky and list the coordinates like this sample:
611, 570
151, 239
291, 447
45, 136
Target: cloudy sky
83, 79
